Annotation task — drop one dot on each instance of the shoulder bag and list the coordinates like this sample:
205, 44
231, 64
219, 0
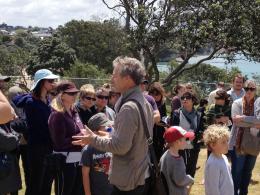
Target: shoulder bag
158, 185
249, 144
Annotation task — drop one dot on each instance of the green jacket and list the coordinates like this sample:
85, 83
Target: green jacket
216, 111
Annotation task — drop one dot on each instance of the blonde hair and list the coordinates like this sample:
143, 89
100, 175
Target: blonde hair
215, 132
87, 89
57, 104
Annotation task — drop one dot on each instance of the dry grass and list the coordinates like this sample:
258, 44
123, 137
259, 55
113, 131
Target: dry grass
198, 189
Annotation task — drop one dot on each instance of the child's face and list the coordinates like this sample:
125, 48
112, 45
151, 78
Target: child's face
101, 128
182, 143
221, 146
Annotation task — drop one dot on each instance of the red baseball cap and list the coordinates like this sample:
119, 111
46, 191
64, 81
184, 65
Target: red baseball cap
174, 133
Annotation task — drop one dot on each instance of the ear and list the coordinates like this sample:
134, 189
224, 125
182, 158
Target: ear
211, 145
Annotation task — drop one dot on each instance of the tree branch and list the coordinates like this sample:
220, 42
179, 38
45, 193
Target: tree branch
202, 60
128, 10
168, 79
181, 69
114, 7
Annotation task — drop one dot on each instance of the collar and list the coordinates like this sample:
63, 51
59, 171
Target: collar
188, 113
130, 91
241, 91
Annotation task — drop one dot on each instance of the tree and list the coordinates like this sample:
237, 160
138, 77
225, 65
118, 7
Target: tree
82, 73
224, 26
52, 54
95, 42
82, 70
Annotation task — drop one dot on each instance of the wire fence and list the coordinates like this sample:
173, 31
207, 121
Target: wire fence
202, 89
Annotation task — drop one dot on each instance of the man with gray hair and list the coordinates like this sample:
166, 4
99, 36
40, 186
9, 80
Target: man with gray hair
127, 142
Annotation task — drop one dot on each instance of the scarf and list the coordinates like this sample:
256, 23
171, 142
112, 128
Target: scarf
248, 110
248, 107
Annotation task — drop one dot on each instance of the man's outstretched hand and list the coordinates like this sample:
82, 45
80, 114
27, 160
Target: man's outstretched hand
85, 139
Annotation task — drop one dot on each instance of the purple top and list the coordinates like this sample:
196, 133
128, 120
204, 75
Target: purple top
176, 103
151, 101
62, 127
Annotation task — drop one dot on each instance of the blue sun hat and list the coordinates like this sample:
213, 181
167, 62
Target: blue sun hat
42, 74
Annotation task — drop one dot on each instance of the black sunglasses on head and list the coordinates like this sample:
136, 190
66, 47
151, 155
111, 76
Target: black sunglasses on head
102, 97
88, 98
250, 88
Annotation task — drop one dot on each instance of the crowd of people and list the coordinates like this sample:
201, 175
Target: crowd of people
93, 141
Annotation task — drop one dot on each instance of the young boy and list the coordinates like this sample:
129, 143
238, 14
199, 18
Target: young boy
95, 164
172, 164
218, 179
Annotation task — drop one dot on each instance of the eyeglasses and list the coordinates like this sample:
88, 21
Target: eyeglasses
102, 97
219, 98
114, 94
88, 98
50, 80
155, 93
186, 97
71, 93
250, 88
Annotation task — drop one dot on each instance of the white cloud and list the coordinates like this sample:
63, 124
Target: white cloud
45, 13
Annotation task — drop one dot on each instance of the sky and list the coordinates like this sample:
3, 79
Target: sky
45, 13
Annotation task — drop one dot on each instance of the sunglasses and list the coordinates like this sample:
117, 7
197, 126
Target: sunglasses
114, 94
102, 97
155, 93
50, 80
88, 98
219, 98
186, 97
250, 88
71, 93
53, 93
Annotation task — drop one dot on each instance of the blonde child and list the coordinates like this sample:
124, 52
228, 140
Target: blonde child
218, 178
172, 164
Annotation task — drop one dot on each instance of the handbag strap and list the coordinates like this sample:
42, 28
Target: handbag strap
149, 138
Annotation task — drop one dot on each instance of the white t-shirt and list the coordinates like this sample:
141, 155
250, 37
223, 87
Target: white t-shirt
218, 178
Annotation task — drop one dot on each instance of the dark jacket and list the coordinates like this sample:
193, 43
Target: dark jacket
175, 121
37, 114
8, 144
62, 128
216, 111
85, 114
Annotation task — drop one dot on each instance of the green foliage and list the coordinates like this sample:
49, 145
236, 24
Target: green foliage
82, 73
204, 77
6, 39
52, 54
189, 27
95, 42
85, 70
25, 40
12, 60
